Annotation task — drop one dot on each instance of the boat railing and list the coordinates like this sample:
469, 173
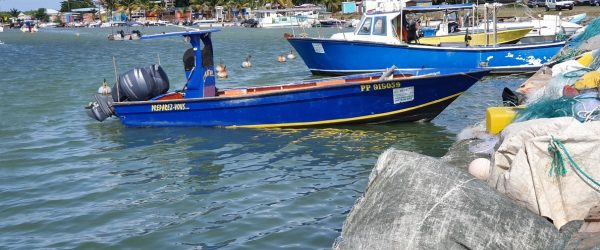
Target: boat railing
314, 31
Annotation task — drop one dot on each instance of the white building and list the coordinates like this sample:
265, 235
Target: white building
383, 5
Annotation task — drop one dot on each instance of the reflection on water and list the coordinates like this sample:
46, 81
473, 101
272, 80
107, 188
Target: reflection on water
257, 188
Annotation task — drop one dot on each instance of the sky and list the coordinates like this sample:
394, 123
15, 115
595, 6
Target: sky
23, 5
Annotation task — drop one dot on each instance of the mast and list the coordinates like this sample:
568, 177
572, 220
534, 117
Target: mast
401, 23
495, 26
487, 24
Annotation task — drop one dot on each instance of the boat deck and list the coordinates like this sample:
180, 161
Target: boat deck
283, 87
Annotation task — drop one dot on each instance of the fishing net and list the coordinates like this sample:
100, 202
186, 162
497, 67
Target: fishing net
546, 108
566, 75
572, 48
584, 107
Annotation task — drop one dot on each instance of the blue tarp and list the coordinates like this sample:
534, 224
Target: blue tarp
348, 7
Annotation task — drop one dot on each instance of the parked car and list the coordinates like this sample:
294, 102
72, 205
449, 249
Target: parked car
583, 2
595, 2
559, 5
536, 3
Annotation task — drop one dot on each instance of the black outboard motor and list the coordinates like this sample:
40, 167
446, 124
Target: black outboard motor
102, 107
138, 84
161, 81
141, 84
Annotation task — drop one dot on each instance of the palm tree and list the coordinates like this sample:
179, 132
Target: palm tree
145, 5
14, 13
332, 5
196, 5
109, 5
285, 3
129, 5
158, 8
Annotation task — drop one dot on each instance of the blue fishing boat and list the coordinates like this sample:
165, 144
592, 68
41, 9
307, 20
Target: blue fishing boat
384, 38
141, 98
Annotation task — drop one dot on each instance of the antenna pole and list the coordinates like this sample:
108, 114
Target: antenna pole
158, 56
116, 78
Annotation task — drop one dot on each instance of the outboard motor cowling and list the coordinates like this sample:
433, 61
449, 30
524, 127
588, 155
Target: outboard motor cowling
161, 81
117, 95
136, 84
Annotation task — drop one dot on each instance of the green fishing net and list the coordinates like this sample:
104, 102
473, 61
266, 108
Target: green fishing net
573, 44
546, 108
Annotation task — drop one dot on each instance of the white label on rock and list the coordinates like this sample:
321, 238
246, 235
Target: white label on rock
406, 94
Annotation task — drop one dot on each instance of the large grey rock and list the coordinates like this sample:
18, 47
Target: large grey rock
418, 202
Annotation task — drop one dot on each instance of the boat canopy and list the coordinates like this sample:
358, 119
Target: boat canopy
442, 7
181, 33
200, 73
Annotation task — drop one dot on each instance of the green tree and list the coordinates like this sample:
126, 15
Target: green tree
182, 3
109, 5
146, 5
332, 5
67, 6
158, 8
41, 15
129, 6
14, 12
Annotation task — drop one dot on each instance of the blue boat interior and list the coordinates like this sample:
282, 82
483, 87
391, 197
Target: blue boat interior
199, 70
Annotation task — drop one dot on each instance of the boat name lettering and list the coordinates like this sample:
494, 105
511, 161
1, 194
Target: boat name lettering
208, 73
379, 86
168, 107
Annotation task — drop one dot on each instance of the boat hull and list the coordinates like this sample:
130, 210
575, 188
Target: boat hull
338, 57
502, 36
406, 99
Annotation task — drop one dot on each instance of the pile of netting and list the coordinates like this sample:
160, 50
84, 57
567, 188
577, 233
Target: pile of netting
573, 47
573, 91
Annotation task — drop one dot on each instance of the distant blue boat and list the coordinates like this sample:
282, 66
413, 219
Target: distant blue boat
380, 41
140, 97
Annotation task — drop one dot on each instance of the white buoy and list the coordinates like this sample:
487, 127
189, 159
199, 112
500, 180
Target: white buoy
480, 168
281, 58
291, 55
104, 89
220, 67
223, 73
77, 34
247, 63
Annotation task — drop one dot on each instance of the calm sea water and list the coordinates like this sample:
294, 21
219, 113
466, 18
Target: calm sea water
67, 181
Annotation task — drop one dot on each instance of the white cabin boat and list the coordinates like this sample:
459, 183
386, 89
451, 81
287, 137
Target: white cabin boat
280, 18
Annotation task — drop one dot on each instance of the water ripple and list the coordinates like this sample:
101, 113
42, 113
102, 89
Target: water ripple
69, 182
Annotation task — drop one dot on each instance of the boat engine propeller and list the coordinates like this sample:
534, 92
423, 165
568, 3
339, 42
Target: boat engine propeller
138, 84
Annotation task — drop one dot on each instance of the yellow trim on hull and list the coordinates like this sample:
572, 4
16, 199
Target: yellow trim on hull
503, 36
354, 119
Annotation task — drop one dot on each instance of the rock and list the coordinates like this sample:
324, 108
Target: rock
480, 168
418, 202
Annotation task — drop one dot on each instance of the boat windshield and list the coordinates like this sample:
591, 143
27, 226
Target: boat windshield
379, 26
365, 29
